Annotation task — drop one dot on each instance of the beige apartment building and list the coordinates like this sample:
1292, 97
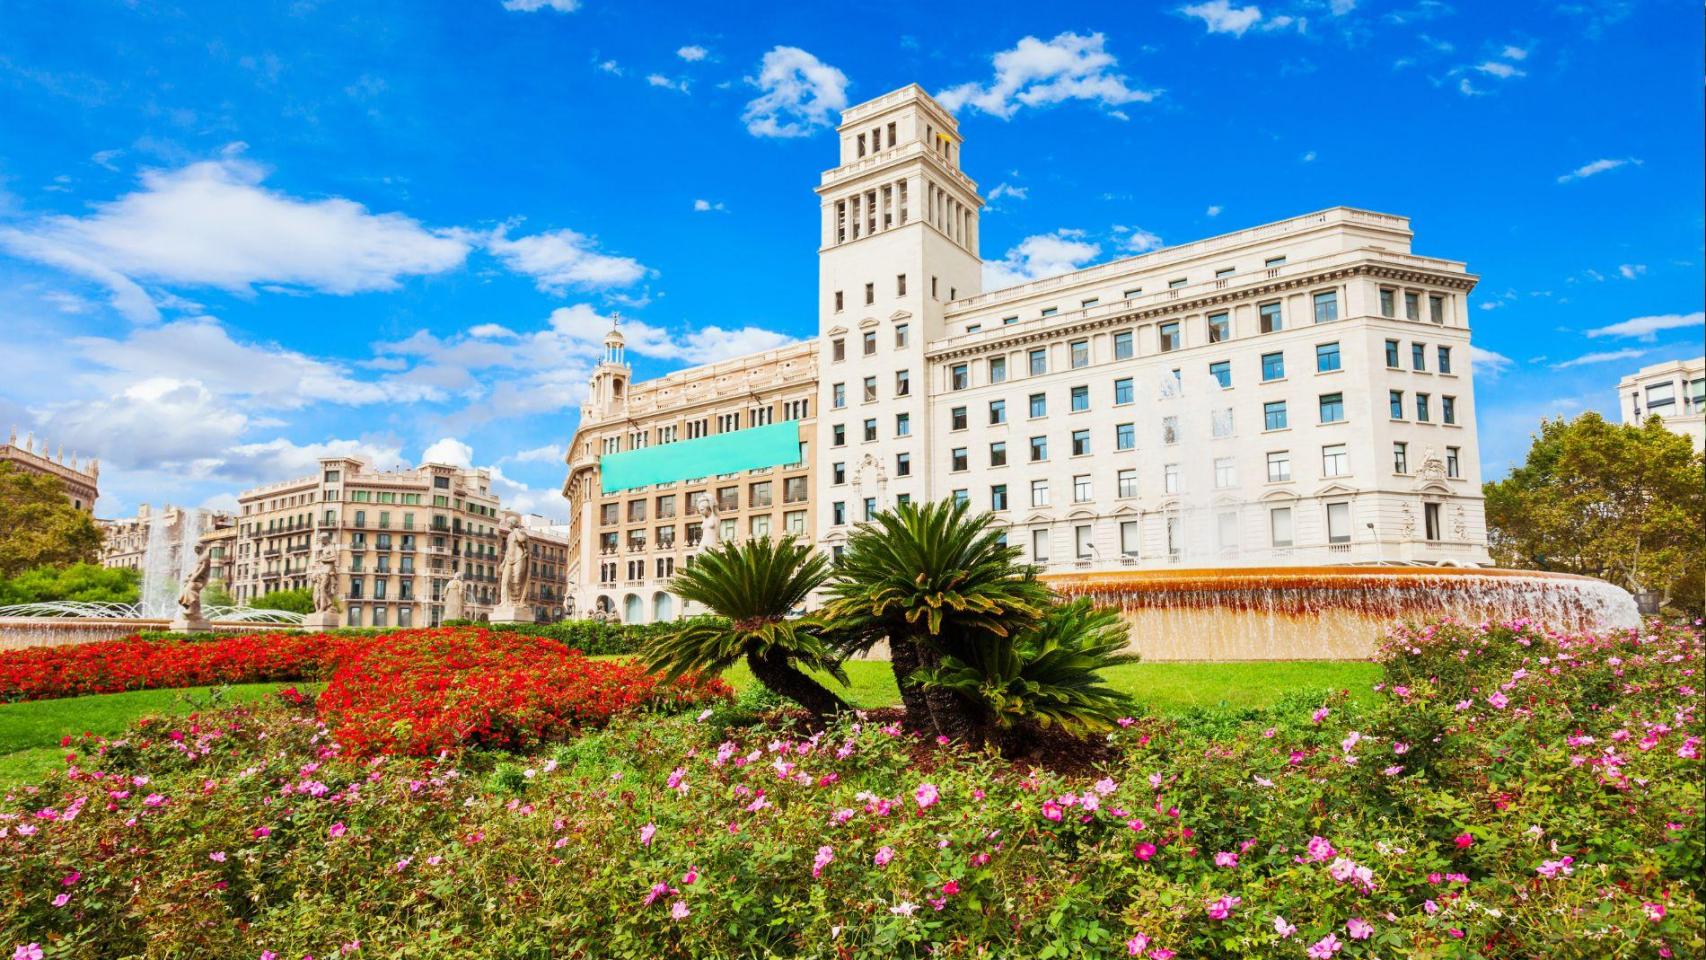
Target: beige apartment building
80, 478
1674, 391
401, 535
1294, 393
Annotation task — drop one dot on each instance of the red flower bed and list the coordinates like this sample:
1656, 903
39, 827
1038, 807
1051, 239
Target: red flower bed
421, 691
113, 666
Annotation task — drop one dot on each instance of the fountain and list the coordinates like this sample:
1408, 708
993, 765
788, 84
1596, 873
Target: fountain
1300, 613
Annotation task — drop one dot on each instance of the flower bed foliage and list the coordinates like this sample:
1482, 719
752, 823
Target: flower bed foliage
112, 666
422, 691
1507, 793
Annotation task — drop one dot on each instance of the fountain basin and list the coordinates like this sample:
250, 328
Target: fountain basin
1333, 613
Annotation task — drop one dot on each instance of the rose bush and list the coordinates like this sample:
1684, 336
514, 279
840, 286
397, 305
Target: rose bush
1508, 792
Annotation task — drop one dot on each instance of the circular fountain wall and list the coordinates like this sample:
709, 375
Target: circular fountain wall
1296, 613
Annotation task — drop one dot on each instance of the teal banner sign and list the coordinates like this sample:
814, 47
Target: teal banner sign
750, 449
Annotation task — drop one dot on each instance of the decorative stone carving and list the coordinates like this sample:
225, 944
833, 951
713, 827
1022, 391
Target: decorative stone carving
1408, 523
1459, 524
1432, 469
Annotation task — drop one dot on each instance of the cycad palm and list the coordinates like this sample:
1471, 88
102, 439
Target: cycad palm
752, 587
931, 578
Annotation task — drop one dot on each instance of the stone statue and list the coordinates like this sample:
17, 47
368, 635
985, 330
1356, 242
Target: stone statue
455, 597
189, 600
514, 568
708, 532
323, 575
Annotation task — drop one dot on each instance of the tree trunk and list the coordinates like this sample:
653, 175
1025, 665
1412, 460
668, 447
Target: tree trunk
951, 715
903, 659
786, 680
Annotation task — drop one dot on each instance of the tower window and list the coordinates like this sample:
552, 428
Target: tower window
900, 285
870, 293
838, 301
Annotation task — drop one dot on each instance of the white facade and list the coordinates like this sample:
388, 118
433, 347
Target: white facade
1294, 393
1674, 391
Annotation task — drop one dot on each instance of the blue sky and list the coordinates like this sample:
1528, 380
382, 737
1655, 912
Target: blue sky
235, 237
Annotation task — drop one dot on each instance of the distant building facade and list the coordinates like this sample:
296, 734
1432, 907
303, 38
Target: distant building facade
1674, 391
125, 541
80, 478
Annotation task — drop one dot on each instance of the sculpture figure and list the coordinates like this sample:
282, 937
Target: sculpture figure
708, 532
455, 597
323, 575
514, 569
189, 600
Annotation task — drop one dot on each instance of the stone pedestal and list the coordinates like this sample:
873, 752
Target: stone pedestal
321, 620
512, 613
183, 624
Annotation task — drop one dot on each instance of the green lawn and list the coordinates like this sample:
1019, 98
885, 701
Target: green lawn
30, 732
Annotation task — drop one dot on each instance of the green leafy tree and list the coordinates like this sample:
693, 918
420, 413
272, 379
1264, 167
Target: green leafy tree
215, 594
753, 588
39, 526
294, 601
87, 582
935, 581
1624, 503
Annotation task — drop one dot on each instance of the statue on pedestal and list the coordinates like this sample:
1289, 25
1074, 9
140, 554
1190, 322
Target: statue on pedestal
455, 597
709, 535
323, 580
514, 570
189, 599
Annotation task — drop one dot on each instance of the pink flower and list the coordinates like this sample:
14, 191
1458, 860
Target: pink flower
1161, 953
646, 834
678, 780
1136, 945
950, 888
1051, 810
1144, 851
27, 951
70, 879
263, 832
1226, 859
1125, 721
689, 878
658, 891
1654, 911
268, 955
1464, 841
678, 910
1359, 928
336, 830
62, 900
884, 855
217, 856
1499, 700
1320, 714
1320, 849
1284, 929
824, 856
926, 795
1222, 908
1324, 947
153, 800
1554, 868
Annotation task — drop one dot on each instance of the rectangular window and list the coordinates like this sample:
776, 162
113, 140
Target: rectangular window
1127, 482
1448, 409
1279, 526
957, 459
1170, 429
1081, 541
1430, 520
998, 370
838, 304
900, 285
1125, 436
998, 497
1175, 538
870, 389
870, 293
1387, 307
794, 521
870, 430
1226, 531
1326, 306
869, 340
1436, 309
1039, 546
1335, 461
957, 418
1080, 443
1392, 354
1039, 405
1225, 272
1326, 357
838, 349
1177, 282
1039, 493
1039, 362
1219, 327
1221, 371
1418, 356
1395, 400
1412, 307
1080, 399
1169, 334
1338, 523
1273, 415
1273, 366
1050, 311
1080, 353
959, 376
1170, 478
838, 512
998, 454
1279, 466
1332, 407
1122, 345
1272, 320
1039, 449
903, 464
997, 411
1452, 462
903, 383
1081, 488
870, 508
901, 332
1444, 354
1225, 473
1400, 458
1422, 408
1122, 390
1131, 534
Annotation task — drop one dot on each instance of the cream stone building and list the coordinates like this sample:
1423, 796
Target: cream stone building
1293, 393
126, 541
1674, 391
401, 536
80, 478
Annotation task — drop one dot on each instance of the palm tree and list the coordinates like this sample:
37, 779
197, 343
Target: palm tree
753, 587
1047, 676
931, 578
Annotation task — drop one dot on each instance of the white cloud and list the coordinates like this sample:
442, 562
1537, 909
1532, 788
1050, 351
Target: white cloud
1035, 74
1514, 53
550, 453
1630, 271
1500, 69
213, 224
1607, 356
1008, 190
561, 260
280, 459
1647, 329
489, 331
530, 6
1214, 210
692, 53
1221, 17
1039, 256
659, 80
707, 206
1140, 240
798, 93
1488, 364
1595, 168
1308, 157
1342, 7
449, 450
1469, 89
610, 67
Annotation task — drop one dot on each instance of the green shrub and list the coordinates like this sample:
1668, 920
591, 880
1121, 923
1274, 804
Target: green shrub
87, 582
